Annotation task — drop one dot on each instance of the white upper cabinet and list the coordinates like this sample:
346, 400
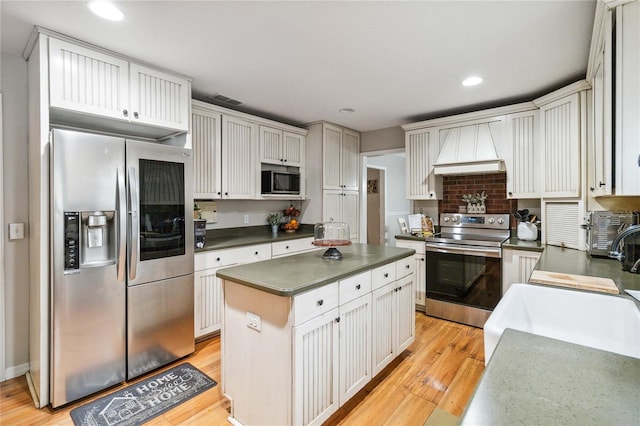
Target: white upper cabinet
422, 148
627, 126
281, 147
341, 150
560, 133
95, 83
239, 158
206, 141
522, 155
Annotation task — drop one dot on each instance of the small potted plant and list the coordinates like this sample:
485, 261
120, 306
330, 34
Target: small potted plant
274, 220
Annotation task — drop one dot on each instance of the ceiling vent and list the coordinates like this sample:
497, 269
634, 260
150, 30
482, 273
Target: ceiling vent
470, 150
224, 99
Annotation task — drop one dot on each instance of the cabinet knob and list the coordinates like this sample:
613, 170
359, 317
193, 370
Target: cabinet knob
338, 319
408, 266
510, 193
358, 287
217, 259
386, 275
422, 259
226, 193
320, 302
136, 115
256, 253
125, 112
601, 184
287, 247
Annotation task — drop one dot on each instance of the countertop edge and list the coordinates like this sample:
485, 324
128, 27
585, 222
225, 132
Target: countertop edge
313, 284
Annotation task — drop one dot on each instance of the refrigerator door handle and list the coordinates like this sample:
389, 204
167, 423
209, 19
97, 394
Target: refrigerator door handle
122, 224
135, 224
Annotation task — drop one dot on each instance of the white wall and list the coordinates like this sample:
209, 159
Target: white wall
231, 212
382, 139
15, 209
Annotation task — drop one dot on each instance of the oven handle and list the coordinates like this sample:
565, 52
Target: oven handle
464, 249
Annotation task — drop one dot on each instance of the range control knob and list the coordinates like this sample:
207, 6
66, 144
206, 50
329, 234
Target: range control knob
454, 219
491, 220
500, 220
446, 218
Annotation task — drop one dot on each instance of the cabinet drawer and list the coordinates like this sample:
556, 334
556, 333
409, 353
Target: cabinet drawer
250, 254
353, 287
314, 302
219, 258
285, 248
405, 267
383, 275
214, 259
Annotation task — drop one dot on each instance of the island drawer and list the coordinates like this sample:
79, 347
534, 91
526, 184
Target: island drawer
314, 302
355, 286
383, 275
284, 248
406, 266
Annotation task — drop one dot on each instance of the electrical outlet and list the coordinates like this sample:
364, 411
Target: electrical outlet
246, 218
254, 321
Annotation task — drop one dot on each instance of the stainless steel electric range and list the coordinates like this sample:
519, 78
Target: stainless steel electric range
464, 267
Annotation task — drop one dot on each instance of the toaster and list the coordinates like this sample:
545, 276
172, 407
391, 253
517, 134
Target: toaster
603, 227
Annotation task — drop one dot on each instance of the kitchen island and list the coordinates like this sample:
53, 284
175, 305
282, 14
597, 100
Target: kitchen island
301, 334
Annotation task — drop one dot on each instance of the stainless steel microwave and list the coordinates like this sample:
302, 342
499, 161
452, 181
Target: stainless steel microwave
275, 182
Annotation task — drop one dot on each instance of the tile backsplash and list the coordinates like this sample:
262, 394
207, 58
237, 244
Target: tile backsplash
494, 186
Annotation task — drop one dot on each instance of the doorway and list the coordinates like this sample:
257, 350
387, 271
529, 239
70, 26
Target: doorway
376, 209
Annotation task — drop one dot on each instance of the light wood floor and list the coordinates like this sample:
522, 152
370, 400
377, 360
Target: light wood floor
440, 369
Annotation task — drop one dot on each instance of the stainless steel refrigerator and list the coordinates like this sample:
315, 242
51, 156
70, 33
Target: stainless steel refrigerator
122, 260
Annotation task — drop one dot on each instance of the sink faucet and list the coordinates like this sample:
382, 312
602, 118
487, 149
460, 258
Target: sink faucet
615, 254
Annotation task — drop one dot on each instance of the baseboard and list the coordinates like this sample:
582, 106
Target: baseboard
16, 371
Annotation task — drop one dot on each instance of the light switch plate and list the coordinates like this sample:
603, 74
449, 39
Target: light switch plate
16, 231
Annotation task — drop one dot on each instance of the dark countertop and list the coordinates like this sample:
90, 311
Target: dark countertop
536, 380
290, 275
218, 239
576, 262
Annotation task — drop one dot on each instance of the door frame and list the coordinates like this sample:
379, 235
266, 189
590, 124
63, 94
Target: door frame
363, 188
383, 202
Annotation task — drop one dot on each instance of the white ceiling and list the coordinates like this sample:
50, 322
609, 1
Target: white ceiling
394, 62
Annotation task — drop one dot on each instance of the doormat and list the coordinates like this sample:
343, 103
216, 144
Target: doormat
142, 401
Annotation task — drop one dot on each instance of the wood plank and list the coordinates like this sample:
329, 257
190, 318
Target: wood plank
605, 285
452, 353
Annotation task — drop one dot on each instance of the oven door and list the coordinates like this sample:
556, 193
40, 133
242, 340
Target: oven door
464, 278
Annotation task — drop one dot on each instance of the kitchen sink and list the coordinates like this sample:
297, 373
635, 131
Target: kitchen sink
601, 321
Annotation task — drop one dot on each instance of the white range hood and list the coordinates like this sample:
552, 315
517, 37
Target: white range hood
470, 150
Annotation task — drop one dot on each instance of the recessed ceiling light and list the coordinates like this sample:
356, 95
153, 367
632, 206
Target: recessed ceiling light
346, 110
106, 10
472, 81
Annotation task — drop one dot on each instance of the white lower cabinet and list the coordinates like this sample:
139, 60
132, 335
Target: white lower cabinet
393, 321
315, 364
421, 270
517, 266
332, 330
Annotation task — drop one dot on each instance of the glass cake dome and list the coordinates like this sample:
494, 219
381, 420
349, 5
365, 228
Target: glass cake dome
332, 235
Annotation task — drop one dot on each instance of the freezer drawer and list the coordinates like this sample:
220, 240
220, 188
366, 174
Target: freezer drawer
160, 324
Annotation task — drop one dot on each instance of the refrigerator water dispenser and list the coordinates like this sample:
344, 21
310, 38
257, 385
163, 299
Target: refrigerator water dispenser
99, 239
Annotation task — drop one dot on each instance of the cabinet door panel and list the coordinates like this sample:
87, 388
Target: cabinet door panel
315, 364
522, 159
270, 145
332, 143
560, 134
350, 203
350, 157
405, 314
158, 98
208, 302
206, 143
293, 149
383, 308
421, 280
87, 81
239, 146
421, 153
355, 346
332, 206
